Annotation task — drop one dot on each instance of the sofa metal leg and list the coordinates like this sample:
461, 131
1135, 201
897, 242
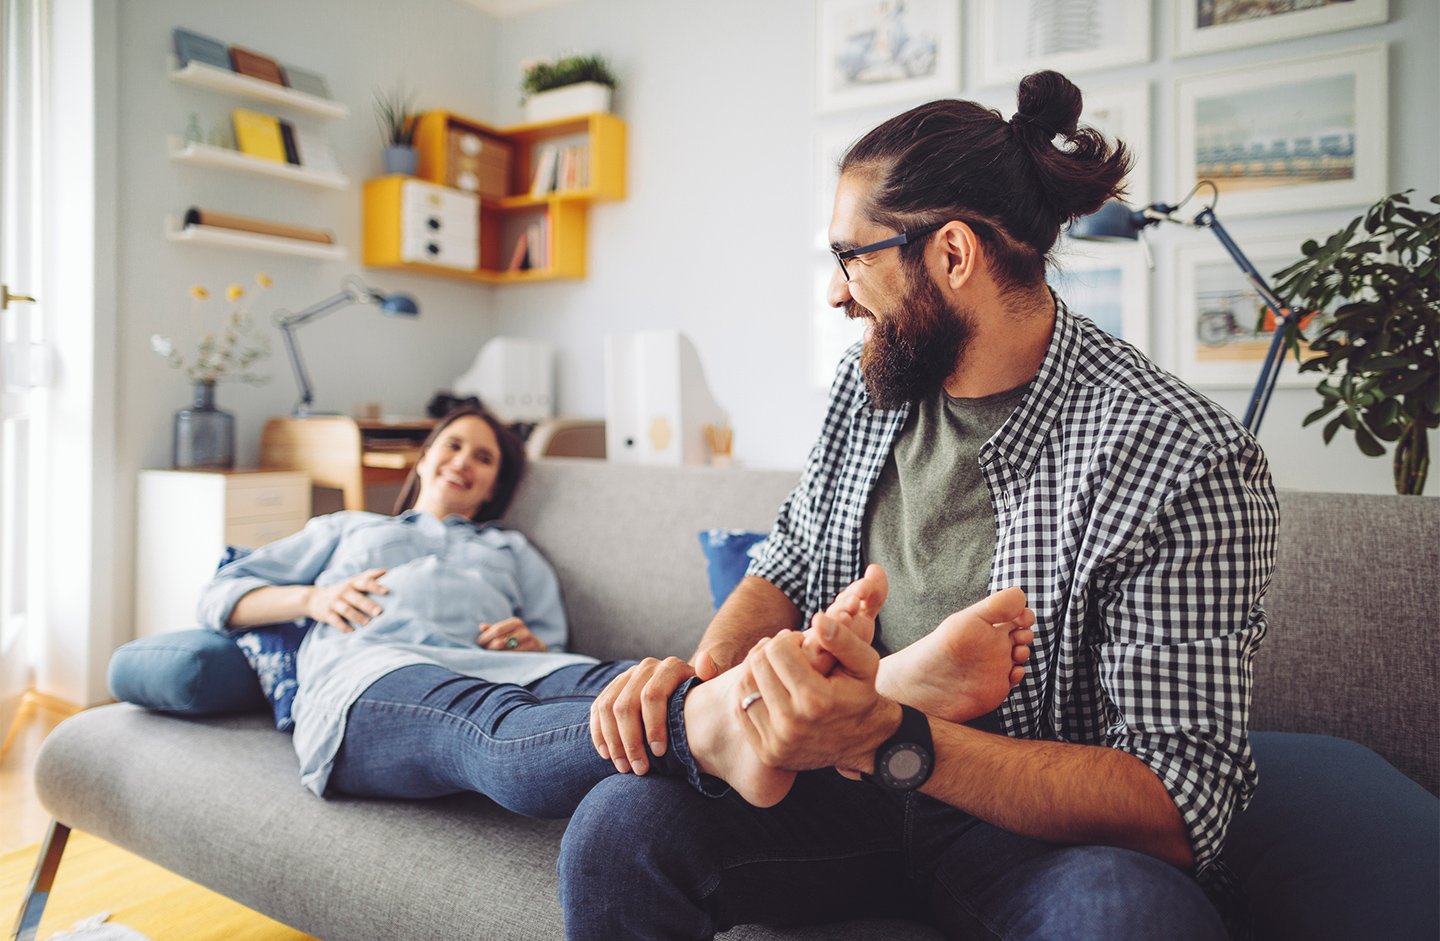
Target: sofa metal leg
28, 922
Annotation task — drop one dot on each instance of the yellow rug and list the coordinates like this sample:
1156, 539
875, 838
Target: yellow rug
96, 876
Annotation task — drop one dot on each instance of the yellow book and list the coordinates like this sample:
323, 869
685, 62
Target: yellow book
258, 135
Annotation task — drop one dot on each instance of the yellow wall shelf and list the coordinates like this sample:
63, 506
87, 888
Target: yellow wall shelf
503, 219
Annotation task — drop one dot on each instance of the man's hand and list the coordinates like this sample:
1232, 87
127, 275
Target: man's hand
631, 711
804, 719
346, 605
509, 634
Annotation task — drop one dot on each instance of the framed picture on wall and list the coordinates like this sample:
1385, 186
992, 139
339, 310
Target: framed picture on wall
1305, 133
830, 146
1110, 284
1122, 112
876, 52
831, 332
1210, 25
1017, 37
1217, 345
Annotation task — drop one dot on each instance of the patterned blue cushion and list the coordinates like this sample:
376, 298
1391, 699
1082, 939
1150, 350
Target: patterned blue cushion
728, 553
271, 652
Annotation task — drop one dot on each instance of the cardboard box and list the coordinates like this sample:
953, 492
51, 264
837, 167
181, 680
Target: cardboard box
477, 162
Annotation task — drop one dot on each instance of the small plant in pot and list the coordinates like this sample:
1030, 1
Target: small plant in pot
571, 85
396, 115
1382, 346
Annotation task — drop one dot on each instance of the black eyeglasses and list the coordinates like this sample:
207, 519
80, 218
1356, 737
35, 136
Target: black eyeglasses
904, 238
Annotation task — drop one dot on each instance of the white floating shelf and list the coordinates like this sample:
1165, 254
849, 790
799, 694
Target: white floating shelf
223, 158
244, 86
177, 231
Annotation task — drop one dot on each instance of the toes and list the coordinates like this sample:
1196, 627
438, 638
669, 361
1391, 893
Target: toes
1017, 674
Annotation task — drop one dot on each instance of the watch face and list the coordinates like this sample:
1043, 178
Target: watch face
905, 766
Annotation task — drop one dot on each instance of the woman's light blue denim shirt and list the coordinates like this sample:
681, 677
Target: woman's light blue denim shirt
444, 580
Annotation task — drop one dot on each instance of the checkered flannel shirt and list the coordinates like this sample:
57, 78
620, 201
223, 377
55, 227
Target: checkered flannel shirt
1140, 519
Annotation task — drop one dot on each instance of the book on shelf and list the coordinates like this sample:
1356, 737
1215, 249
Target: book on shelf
287, 138
520, 256
258, 135
225, 220
302, 80
255, 65
545, 164
193, 47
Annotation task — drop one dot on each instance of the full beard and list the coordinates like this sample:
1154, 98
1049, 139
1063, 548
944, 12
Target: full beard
910, 354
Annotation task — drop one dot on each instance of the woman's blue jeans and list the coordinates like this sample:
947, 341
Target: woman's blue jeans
424, 731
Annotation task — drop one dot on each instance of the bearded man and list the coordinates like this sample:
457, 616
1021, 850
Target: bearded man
983, 437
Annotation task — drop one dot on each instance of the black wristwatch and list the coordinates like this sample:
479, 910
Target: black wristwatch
904, 761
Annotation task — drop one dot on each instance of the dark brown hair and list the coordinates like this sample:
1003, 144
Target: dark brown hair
1007, 180
512, 465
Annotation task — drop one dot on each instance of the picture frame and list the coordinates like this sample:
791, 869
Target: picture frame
1216, 309
877, 52
1122, 112
1017, 37
1299, 134
831, 332
1251, 24
1108, 283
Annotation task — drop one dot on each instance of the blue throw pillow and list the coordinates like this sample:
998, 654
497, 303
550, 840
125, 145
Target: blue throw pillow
1336, 844
197, 673
727, 553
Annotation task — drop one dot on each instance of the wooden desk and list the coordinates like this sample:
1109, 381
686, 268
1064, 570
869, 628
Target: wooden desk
341, 452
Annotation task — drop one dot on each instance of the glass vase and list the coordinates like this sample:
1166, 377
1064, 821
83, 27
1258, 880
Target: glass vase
204, 435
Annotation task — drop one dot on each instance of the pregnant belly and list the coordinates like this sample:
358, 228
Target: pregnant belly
430, 602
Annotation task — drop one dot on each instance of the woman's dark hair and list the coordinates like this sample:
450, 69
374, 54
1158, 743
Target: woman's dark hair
512, 465
1007, 180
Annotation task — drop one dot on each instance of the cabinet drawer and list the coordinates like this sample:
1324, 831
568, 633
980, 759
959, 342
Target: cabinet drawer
282, 498
255, 534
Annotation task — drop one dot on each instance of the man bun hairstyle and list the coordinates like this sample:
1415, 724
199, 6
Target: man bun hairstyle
1015, 183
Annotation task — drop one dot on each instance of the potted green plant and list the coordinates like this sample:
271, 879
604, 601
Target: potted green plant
396, 115
571, 85
1380, 348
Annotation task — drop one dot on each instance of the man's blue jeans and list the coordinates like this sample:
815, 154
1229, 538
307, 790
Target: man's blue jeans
424, 731
653, 858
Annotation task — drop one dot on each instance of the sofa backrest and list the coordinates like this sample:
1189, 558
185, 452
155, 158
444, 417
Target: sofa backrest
1354, 643
625, 541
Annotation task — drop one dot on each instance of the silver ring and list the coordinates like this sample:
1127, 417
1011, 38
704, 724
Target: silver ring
749, 701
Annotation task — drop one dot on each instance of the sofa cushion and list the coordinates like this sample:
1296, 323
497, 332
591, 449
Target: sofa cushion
727, 556
271, 652
1336, 844
188, 672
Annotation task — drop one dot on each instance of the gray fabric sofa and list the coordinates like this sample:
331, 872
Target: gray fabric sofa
1352, 652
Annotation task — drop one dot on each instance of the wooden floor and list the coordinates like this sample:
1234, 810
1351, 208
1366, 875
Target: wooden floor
95, 876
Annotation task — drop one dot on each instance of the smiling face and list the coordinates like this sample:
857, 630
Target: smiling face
917, 336
457, 473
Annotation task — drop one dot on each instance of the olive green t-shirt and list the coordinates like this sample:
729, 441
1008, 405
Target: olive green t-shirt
930, 522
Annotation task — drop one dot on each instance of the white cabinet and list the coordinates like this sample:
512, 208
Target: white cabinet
439, 226
185, 521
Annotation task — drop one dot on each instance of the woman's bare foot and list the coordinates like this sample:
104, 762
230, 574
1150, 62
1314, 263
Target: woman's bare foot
966, 666
719, 747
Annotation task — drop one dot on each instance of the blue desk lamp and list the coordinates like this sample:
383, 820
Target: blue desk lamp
352, 291
1116, 221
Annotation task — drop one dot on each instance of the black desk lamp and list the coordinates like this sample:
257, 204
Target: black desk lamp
352, 291
1117, 221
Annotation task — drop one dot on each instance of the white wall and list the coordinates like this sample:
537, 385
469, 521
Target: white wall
716, 235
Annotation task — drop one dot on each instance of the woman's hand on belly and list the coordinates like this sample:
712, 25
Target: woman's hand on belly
347, 605
509, 634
